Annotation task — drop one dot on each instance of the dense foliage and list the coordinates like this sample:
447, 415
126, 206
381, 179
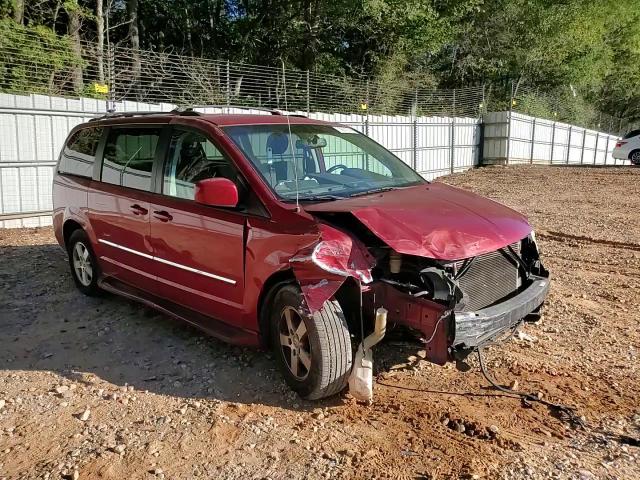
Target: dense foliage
579, 54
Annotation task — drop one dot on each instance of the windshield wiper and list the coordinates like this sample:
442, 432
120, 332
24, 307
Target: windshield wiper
320, 198
373, 190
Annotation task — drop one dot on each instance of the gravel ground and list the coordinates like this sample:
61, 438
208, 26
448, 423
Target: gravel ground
104, 388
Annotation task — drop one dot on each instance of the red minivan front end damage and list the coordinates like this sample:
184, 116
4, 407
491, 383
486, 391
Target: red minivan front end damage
459, 287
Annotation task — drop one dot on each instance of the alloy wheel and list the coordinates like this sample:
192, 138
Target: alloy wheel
635, 157
82, 264
294, 343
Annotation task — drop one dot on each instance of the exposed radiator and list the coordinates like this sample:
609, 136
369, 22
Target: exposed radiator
489, 278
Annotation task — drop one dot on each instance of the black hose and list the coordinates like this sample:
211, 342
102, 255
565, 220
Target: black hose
527, 398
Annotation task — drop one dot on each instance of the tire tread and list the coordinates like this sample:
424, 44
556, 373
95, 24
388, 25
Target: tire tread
334, 359
336, 350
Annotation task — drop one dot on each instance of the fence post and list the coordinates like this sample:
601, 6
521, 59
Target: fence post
479, 146
606, 149
553, 142
228, 85
111, 104
595, 150
453, 134
508, 152
569, 144
414, 146
533, 140
414, 131
308, 96
584, 136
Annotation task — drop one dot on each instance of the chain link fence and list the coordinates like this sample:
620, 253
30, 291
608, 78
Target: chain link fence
43, 63
32, 63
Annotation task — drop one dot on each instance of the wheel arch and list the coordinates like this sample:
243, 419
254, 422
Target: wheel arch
68, 228
348, 297
269, 288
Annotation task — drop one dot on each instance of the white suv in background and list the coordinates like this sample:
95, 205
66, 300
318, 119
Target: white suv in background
629, 147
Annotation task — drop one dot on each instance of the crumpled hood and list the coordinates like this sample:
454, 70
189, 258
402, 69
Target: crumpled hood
434, 221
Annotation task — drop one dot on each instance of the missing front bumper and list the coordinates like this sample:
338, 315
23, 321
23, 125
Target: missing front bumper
477, 328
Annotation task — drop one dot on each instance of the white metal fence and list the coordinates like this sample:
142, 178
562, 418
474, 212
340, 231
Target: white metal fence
514, 138
34, 127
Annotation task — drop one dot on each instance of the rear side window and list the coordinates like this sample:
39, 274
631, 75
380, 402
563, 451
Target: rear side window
128, 157
79, 153
632, 133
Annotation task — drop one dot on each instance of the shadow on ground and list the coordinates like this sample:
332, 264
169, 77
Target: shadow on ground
47, 325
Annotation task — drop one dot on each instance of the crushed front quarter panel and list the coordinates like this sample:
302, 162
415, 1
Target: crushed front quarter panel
322, 267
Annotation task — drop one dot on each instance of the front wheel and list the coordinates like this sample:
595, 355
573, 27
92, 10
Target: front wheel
313, 351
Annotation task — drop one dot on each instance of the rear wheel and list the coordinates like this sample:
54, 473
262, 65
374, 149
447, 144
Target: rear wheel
635, 157
83, 264
313, 351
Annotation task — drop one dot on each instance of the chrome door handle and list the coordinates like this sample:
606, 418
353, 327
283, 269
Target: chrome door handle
138, 210
162, 215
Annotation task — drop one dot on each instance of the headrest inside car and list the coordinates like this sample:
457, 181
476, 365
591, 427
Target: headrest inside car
278, 143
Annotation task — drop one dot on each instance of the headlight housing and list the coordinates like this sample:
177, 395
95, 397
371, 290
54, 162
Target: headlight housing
340, 254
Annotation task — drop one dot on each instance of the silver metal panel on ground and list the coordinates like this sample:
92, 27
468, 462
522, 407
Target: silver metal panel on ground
515, 138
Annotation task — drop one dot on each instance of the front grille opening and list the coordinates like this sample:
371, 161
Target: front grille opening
489, 278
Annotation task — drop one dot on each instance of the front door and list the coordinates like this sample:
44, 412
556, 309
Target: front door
119, 205
199, 250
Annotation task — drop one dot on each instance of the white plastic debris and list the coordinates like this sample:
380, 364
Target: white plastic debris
361, 378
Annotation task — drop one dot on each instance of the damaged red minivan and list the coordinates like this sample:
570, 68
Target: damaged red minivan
288, 232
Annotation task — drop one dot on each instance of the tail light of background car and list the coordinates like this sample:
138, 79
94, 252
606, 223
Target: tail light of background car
619, 144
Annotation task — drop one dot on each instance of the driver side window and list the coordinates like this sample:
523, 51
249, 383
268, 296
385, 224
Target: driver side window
191, 158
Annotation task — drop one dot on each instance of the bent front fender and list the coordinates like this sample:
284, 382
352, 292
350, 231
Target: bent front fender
323, 267
317, 285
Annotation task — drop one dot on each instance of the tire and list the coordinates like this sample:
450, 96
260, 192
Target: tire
324, 357
83, 263
635, 157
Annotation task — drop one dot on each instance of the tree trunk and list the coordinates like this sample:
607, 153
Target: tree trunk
73, 29
18, 11
310, 35
189, 37
134, 38
100, 32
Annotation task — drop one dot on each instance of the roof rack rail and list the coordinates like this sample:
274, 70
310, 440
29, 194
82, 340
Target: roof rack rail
188, 110
131, 114
191, 108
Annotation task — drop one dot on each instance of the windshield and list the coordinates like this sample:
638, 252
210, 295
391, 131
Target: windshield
329, 162
632, 133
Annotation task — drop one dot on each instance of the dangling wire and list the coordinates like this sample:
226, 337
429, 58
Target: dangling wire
568, 412
293, 152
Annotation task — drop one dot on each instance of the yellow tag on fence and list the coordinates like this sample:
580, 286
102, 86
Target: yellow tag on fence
101, 88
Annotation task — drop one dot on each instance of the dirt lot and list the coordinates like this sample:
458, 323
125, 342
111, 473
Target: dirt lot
104, 388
